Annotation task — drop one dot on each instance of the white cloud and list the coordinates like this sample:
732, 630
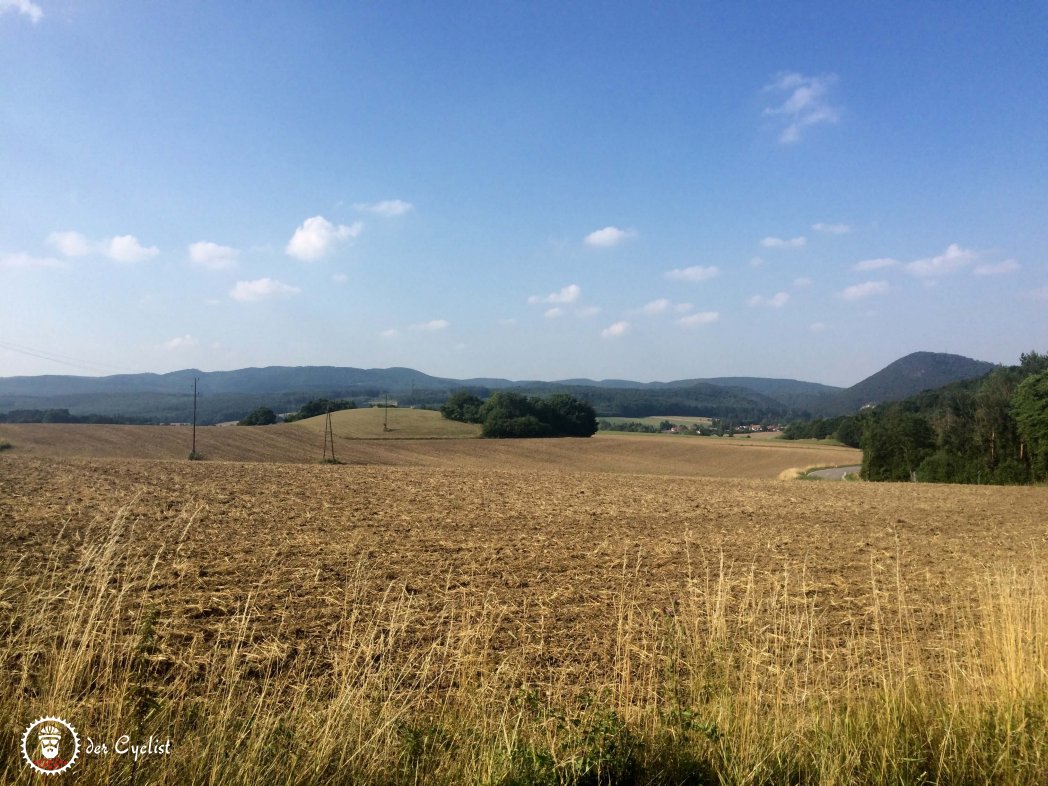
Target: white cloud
804, 103
588, 311
998, 269
261, 288
553, 313
182, 342
615, 330
70, 244
694, 274
387, 208
875, 264
609, 236
432, 326
656, 307
832, 229
122, 248
212, 256
756, 262
507, 322
568, 294
318, 238
817, 327
778, 300
950, 261
390, 333
801, 282
126, 248
866, 289
683, 308
24, 7
340, 278
23, 260
778, 242
1041, 293
701, 318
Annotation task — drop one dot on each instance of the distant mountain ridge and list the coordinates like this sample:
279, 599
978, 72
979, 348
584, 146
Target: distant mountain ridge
226, 393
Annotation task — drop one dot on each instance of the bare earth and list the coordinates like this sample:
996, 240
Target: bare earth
303, 443
549, 546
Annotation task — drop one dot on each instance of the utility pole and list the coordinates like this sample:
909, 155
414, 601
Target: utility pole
385, 415
329, 434
192, 452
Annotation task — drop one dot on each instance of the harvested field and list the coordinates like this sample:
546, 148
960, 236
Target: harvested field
451, 621
295, 443
397, 423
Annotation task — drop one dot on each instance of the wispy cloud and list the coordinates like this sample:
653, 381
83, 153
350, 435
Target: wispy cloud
875, 264
553, 313
615, 330
778, 300
950, 261
817, 327
23, 260
261, 289
389, 333
997, 269
801, 282
70, 244
317, 238
699, 319
126, 248
122, 248
24, 7
432, 326
609, 236
804, 101
864, 290
340, 278
778, 242
213, 256
656, 307
832, 229
387, 208
568, 294
588, 311
694, 274
1041, 293
182, 342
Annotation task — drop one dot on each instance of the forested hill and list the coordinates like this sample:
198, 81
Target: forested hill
906, 377
229, 395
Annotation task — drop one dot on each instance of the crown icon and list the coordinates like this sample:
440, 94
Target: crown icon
50, 733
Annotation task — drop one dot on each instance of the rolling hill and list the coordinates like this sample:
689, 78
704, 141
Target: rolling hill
229, 395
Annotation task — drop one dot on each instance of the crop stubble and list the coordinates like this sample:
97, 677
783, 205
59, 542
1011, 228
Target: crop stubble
551, 552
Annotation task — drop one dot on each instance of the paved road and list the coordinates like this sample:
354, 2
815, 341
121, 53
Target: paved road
835, 473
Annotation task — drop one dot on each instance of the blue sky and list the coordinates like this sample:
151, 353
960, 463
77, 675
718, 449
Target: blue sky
524, 190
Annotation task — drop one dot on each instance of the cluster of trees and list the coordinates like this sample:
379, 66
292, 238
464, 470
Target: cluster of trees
990, 430
510, 415
63, 416
847, 429
319, 406
632, 426
262, 416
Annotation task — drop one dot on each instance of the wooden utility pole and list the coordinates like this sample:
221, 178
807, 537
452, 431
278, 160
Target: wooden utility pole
385, 415
192, 452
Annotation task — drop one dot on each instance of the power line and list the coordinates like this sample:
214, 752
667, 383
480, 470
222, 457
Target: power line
65, 360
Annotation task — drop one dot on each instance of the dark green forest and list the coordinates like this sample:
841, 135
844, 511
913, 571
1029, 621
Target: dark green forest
512, 415
993, 429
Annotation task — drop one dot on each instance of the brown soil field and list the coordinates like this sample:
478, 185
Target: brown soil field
551, 548
294, 443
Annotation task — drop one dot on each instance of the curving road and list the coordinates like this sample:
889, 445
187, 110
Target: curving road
835, 473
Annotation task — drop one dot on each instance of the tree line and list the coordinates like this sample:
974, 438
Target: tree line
511, 415
993, 429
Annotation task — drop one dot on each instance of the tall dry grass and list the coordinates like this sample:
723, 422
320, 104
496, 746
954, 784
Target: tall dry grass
740, 679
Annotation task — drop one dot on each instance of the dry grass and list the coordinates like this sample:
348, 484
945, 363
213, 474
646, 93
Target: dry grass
308, 624
373, 422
